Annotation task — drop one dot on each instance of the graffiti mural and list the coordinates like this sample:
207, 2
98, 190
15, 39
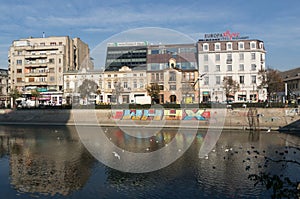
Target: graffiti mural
152, 114
159, 114
173, 114
195, 114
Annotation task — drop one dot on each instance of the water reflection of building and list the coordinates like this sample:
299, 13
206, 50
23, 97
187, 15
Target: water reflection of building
49, 163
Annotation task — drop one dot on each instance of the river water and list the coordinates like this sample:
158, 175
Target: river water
52, 162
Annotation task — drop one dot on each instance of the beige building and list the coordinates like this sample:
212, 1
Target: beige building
3, 87
123, 86
39, 63
176, 85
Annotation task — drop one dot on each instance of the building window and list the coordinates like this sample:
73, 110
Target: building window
108, 75
109, 85
161, 76
241, 45
242, 80
172, 76
217, 46
19, 70
206, 80
205, 68
141, 83
52, 79
218, 68
19, 80
51, 61
217, 57
261, 45
134, 84
252, 56
218, 80
241, 55
253, 45
59, 60
52, 43
229, 67
206, 57
172, 87
19, 62
42, 44
229, 59
241, 67
229, 46
253, 66
125, 85
205, 47
253, 79
141, 74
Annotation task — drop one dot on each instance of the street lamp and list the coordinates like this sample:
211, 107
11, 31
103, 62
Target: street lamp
198, 80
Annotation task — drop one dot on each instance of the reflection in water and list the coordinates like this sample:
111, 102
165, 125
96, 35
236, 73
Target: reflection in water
53, 161
47, 161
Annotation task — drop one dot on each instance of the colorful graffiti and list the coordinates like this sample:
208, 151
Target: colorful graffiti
195, 114
159, 114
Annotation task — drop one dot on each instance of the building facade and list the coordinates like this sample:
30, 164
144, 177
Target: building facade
124, 85
239, 59
74, 79
130, 54
4, 88
39, 63
174, 68
291, 79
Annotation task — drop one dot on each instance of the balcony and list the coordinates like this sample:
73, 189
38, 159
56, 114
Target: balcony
36, 83
36, 74
229, 61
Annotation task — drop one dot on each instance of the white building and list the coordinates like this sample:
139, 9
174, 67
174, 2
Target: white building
73, 80
221, 55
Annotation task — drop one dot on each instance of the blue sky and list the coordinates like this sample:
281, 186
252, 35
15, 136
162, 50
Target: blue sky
277, 23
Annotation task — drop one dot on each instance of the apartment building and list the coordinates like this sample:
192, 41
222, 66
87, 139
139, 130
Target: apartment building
3, 88
228, 55
39, 63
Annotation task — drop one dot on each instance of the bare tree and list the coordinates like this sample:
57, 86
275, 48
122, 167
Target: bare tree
271, 80
153, 91
117, 90
87, 88
230, 86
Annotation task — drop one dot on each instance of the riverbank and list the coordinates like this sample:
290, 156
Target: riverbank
266, 118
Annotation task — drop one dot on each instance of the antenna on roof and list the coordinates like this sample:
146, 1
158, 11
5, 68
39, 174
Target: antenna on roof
43, 34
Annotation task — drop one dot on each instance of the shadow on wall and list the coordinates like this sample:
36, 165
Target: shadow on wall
47, 116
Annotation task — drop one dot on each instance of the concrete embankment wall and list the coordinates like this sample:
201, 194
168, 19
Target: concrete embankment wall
235, 118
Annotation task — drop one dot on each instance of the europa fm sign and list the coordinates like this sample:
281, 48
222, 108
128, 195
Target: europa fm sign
223, 36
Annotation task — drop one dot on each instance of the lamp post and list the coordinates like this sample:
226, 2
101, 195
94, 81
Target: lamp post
198, 80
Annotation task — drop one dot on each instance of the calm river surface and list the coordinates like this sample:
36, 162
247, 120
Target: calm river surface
52, 162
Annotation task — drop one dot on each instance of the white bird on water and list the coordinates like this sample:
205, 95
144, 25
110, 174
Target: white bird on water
116, 155
269, 130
